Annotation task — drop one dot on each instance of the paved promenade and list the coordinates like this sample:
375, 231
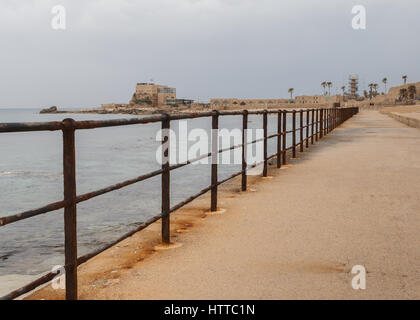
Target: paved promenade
352, 199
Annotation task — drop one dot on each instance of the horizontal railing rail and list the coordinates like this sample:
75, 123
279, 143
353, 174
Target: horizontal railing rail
319, 122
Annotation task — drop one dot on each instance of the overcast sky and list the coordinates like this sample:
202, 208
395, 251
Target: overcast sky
204, 48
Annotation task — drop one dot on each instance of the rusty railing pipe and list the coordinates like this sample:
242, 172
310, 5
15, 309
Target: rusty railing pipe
70, 208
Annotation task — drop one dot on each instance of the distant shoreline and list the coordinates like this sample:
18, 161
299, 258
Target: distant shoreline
116, 110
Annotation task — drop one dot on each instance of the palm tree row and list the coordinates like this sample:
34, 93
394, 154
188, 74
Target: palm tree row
408, 93
373, 86
327, 84
373, 90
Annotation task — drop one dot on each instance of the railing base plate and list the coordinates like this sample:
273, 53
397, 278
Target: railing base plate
267, 178
218, 212
165, 246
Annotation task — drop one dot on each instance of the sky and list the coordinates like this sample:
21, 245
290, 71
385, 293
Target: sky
204, 48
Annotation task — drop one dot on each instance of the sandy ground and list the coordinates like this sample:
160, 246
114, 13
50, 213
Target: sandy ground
353, 199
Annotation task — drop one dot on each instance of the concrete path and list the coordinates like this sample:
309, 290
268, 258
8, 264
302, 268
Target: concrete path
352, 199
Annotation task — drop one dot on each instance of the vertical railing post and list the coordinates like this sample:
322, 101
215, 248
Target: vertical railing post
337, 117
326, 121
307, 128
321, 123
337, 112
70, 209
332, 119
329, 121
214, 158
316, 124
279, 122
294, 134
312, 125
327, 114
244, 147
284, 135
265, 142
165, 180
301, 130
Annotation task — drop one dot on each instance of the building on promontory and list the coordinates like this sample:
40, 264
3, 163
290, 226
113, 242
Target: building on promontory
156, 95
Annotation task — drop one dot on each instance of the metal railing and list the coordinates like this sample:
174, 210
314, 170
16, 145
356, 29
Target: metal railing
318, 121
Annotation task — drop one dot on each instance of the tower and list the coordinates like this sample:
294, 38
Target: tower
353, 86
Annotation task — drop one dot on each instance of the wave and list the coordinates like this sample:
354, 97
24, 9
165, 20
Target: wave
17, 173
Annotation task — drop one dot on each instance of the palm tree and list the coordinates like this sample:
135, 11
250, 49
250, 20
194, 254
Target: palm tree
344, 89
329, 85
324, 84
385, 80
370, 85
375, 87
291, 92
412, 92
405, 79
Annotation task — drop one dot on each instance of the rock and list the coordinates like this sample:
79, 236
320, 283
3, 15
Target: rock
53, 109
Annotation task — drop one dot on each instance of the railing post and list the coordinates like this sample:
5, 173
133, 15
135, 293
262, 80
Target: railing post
279, 121
316, 124
312, 125
321, 123
70, 209
165, 180
244, 147
329, 120
338, 117
265, 142
214, 158
307, 128
301, 130
330, 128
294, 133
327, 126
284, 135
326, 121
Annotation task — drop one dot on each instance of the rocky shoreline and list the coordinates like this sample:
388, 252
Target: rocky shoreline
132, 111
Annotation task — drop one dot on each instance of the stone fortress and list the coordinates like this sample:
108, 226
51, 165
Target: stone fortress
150, 95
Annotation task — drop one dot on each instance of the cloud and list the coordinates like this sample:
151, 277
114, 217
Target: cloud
205, 48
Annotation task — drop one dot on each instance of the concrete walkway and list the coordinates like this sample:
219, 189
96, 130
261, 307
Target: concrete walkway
352, 199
